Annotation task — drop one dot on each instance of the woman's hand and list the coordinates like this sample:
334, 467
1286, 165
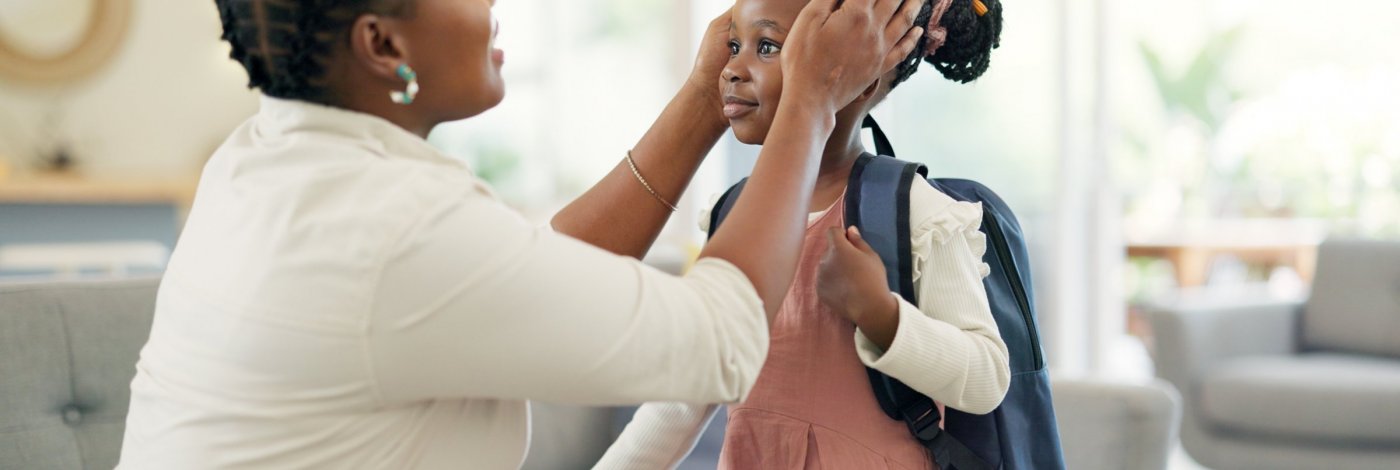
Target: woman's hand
618, 214
833, 53
851, 281
710, 61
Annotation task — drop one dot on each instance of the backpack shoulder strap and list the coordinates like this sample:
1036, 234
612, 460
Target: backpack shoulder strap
882, 143
877, 202
724, 205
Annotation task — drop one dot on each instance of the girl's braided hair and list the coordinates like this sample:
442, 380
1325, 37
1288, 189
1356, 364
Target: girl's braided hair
968, 50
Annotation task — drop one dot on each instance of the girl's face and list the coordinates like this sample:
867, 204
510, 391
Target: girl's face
452, 48
752, 81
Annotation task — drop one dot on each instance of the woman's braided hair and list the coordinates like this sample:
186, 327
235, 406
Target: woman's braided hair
285, 45
967, 52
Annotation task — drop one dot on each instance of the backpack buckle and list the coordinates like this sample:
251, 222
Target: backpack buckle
922, 417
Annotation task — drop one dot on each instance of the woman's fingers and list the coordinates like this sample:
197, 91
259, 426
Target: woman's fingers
899, 23
903, 48
816, 12
836, 52
885, 10
714, 53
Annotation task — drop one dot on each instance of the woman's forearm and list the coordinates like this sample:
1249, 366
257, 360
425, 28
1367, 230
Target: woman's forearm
618, 214
762, 236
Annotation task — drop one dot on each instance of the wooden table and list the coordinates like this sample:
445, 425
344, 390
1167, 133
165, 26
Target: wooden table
76, 189
89, 220
1191, 246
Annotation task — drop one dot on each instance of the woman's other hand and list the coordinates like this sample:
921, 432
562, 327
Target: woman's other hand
709, 63
834, 53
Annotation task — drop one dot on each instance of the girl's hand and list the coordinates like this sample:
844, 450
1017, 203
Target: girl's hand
851, 281
833, 53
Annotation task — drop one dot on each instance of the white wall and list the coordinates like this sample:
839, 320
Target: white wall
159, 108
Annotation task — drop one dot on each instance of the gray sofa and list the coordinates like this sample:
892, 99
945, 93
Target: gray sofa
1113, 425
67, 356
1294, 385
68, 350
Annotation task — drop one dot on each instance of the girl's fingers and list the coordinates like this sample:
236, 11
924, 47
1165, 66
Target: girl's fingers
853, 234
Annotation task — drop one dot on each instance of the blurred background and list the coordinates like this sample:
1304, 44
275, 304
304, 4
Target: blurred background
1158, 153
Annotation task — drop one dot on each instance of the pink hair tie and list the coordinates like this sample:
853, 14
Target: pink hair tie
935, 33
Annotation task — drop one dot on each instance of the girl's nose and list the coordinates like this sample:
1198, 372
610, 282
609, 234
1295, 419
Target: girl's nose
731, 74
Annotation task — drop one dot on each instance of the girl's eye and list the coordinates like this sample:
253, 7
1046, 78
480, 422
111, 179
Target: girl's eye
768, 48
733, 48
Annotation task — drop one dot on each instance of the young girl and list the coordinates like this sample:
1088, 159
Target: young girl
813, 406
346, 296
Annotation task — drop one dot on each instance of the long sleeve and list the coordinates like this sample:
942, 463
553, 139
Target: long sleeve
948, 347
659, 436
519, 312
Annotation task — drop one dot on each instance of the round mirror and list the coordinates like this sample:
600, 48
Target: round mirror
54, 42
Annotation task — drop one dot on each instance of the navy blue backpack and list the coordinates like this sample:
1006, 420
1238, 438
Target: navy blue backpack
1021, 434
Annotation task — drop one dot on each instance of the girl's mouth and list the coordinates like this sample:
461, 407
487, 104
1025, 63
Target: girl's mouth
735, 108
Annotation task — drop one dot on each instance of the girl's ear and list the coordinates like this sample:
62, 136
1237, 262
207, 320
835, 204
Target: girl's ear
871, 90
877, 91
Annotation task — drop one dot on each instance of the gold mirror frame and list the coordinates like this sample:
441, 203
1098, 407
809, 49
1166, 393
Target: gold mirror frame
107, 26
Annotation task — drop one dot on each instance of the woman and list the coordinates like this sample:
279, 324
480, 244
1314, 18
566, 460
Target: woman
345, 296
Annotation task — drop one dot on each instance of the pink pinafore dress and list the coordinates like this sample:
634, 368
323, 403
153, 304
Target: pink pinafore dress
812, 407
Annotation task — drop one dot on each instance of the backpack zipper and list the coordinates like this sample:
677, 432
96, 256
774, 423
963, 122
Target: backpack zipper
999, 245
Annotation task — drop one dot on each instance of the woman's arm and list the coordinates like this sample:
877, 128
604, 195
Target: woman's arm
660, 435
618, 214
522, 312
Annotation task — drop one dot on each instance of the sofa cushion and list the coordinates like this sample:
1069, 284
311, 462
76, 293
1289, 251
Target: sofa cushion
67, 355
1314, 397
1355, 301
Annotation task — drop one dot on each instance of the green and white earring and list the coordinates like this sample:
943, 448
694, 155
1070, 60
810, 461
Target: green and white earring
405, 97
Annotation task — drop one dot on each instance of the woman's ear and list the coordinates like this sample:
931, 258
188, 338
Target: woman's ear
377, 44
